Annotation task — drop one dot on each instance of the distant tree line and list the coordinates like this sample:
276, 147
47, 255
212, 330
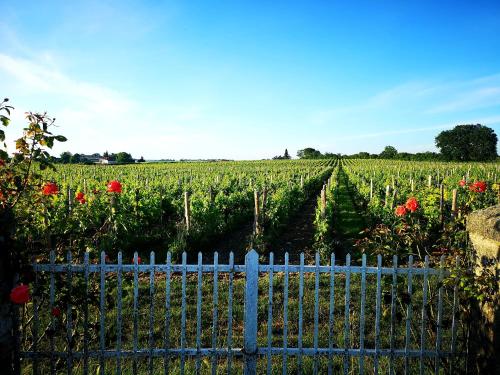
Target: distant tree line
462, 143
311, 153
119, 158
285, 156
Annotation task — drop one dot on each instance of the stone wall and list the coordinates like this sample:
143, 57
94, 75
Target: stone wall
484, 232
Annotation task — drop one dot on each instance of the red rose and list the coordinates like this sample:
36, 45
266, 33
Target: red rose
80, 197
412, 204
400, 210
462, 183
50, 188
20, 294
56, 312
138, 260
114, 187
478, 187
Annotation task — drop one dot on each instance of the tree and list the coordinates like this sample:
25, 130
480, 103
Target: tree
309, 153
20, 185
141, 160
75, 159
65, 157
286, 155
389, 152
124, 157
468, 143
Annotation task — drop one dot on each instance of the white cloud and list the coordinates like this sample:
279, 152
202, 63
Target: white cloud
419, 98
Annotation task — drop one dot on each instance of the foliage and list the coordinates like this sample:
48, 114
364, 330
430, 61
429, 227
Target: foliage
389, 152
429, 230
309, 153
468, 142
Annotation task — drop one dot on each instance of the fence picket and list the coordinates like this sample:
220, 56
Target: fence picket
151, 310
230, 315
198, 313
167, 314
285, 318
331, 314
301, 300
377, 313
316, 313
424, 313
408, 312
119, 316
270, 315
102, 317
251, 300
215, 317
362, 316
135, 312
183, 315
394, 289
347, 343
51, 306
439, 317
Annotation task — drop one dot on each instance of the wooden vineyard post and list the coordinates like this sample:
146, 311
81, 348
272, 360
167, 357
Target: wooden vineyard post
161, 205
371, 189
211, 195
454, 204
256, 225
323, 202
264, 199
394, 196
387, 192
70, 200
136, 202
441, 203
187, 209
429, 182
412, 185
302, 182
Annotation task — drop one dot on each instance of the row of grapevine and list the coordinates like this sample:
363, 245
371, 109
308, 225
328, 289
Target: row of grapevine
160, 206
421, 209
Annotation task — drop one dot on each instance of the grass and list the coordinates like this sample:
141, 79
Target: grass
349, 221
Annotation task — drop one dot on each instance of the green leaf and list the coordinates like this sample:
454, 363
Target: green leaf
61, 138
5, 120
50, 141
2, 136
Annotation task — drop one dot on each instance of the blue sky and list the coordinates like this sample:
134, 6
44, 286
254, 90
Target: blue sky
247, 79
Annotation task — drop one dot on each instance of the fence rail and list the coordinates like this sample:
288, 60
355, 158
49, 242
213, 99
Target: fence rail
325, 317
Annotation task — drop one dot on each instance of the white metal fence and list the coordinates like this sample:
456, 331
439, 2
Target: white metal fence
286, 318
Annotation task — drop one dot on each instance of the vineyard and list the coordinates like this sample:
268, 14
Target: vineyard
199, 206
394, 213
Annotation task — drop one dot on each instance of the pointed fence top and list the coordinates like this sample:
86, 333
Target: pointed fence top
252, 255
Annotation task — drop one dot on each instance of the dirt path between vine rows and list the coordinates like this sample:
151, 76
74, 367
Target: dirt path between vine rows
349, 219
298, 235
